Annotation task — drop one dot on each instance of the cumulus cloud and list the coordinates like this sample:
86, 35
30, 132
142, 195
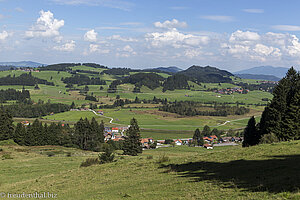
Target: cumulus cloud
219, 18
174, 23
244, 37
95, 48
4, 35
46, 26
90, 36
175, 39
68, 47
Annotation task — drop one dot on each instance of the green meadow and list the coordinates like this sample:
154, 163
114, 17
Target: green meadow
259, 172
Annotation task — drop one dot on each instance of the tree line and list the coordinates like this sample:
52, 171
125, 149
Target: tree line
35, 110
81, 79
12, 94
191, 108
23, 79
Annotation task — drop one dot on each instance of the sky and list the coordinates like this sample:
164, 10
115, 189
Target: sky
228, 34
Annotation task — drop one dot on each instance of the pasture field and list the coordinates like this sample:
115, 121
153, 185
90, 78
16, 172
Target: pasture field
259, 172
152, 119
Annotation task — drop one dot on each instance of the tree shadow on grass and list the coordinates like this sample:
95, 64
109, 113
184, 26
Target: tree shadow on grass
277, 174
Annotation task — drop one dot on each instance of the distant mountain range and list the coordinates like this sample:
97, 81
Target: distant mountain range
265, 70
22, 64
258, 77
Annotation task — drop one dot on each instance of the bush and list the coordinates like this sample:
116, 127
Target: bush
269, 139
108, 155
149, 157
7, 142
69, 154
50, 154
163, 158
1, 149
89, 162
6, 156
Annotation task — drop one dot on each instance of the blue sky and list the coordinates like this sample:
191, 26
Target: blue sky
231, 34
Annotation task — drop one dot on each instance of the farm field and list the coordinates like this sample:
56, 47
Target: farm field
191, 173
150, 119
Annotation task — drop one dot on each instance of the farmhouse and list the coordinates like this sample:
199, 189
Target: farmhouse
178, 142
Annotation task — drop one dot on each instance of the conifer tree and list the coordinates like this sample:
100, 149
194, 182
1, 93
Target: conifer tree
198, 137
20, 132
206, 131
6, 125
132, 144
251, 135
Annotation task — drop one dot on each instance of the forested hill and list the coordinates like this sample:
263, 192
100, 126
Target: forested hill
207, 74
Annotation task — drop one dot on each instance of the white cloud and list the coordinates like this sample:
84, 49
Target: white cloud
90, 36
174, 23
96, 48
254, 10
46, 26
176, 39
117, 4
286, 27
123, 39
244, 37
219, 18
128, 48
69, 46
4, 35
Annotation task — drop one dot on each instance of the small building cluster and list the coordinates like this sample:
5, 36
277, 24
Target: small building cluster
230, 91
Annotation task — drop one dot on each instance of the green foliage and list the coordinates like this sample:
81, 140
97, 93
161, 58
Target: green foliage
206, 131
269, 139
282, 116
132, 145
198, 137
251, 134
89, 161
7, 142
6, 125
108, 155
163, 158
191, 108
6, 156
23, 79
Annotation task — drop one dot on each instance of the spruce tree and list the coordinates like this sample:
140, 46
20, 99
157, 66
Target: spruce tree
279, 116
206, 131
19, 136
198, 137
251, 135
132, 144
6, 125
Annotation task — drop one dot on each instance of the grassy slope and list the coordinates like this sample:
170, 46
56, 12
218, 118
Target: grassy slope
261, 172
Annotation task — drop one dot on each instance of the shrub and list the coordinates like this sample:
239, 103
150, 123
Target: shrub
50, 154
108, 155
7, 142
1, 149
69, 154
269, 139
89, 162
163, 158
6, 156
149, 157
